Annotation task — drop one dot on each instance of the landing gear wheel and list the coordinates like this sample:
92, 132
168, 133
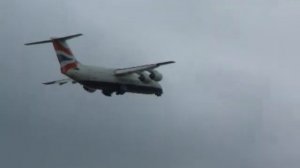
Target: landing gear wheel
158, 94
119, 93
107, 93
122, 89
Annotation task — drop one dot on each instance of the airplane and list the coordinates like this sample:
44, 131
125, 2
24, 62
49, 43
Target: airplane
142, 79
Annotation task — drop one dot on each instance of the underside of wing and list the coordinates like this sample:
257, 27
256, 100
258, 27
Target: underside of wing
60, 82
138, 69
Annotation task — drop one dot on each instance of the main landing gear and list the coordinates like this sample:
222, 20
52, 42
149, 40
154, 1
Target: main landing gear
107, 92
120, 91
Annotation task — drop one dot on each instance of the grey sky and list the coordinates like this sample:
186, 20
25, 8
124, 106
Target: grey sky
231, 100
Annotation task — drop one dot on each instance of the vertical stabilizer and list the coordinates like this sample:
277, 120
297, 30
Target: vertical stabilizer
63, 52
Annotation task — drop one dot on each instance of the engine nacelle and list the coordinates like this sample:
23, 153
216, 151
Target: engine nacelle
91, 90
144, 77
155, 75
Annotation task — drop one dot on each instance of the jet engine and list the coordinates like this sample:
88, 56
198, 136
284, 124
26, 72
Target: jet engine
144, 77
155, 75
88, 89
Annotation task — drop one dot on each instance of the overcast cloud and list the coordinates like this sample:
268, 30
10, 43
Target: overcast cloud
231, 100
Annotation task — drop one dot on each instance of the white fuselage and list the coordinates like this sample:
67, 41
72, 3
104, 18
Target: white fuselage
105, 79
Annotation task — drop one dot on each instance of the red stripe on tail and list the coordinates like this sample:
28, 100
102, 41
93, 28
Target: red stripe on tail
67, 67
59, 47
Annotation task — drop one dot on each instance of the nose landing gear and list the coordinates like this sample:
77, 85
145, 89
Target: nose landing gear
158, 93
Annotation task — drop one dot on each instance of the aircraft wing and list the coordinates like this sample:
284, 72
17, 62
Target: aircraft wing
60, 82
137, 69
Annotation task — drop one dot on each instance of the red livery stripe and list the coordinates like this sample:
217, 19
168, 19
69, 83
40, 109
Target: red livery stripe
59, 47
67, 67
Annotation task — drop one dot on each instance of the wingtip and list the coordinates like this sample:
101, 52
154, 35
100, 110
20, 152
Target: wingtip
165, 63
170, 62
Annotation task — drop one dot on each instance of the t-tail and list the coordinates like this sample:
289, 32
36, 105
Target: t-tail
64, 54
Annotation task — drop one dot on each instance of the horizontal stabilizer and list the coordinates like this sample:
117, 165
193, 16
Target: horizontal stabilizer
60, 82
52, 39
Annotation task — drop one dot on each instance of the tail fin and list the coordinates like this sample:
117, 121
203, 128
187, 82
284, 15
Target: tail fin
64, 54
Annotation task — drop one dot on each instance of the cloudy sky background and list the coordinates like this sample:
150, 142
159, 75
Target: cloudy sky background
231, 100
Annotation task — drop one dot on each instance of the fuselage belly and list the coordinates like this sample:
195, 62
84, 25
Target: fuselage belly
104, 79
